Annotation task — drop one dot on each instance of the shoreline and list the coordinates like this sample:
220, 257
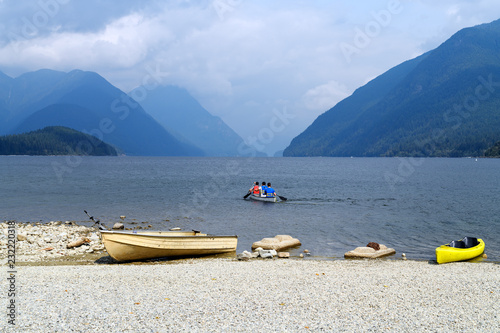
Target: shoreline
216, 295
39, 242
86, 290
46, 244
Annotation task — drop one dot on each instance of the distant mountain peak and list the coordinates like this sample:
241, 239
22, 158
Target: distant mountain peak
180, 113
4, 76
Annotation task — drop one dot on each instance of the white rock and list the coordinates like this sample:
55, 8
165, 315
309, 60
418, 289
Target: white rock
94, 238
245, 255
267, 253
118, 225
63, 236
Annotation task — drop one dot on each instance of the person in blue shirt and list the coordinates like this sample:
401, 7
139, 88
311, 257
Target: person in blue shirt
263, 190
270, 191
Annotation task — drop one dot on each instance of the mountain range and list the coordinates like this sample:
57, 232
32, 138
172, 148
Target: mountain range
445, 102
183, 116
86, 102
442, 103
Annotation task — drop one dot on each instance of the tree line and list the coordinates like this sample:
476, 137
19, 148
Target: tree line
54, 140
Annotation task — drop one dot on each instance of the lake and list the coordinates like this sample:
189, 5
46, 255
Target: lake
334, 204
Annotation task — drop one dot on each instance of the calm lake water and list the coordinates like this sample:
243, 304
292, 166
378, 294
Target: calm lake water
334, 204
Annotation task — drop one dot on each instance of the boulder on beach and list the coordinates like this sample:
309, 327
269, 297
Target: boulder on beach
118, 226
369, 252
283, 254
277, 243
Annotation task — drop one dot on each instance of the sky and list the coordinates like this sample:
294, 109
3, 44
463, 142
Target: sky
267, 68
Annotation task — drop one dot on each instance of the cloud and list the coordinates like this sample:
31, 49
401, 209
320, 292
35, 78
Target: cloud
325, 96
121, 44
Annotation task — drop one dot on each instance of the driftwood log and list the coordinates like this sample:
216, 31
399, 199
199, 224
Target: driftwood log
78, 242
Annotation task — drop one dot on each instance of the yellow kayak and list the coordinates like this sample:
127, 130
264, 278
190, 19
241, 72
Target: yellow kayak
464, 249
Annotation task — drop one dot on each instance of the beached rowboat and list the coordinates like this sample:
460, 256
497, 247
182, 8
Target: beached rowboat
135, 245
464, 249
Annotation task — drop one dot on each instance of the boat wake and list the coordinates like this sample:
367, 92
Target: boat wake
339, 200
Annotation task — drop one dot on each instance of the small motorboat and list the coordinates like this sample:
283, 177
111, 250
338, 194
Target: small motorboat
459, 250
141, 245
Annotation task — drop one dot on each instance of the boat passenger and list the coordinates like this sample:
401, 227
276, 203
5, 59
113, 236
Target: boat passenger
263, 190
270, 191
256, 189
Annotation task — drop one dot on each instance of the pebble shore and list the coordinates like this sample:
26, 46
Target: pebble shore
37, 242
266, 295
228, 295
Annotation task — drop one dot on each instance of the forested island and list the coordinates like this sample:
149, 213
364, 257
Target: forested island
54, 140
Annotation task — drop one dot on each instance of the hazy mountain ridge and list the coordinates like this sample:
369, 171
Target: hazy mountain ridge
182, 115
410, 110
84, 101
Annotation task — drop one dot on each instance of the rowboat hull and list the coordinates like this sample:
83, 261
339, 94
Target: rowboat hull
263, 199
129, 246
445, 253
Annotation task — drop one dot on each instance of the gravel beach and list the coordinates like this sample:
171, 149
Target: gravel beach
273, 295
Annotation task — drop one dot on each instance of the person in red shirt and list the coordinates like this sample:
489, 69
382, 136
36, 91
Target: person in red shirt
255, 189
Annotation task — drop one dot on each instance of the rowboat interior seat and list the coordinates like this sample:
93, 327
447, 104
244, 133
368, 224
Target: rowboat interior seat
457, 244
470, 241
